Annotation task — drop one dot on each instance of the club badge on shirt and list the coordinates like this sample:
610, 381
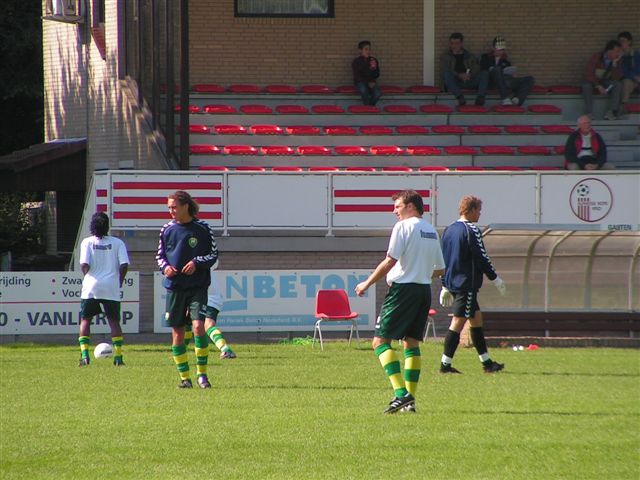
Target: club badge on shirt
193, 241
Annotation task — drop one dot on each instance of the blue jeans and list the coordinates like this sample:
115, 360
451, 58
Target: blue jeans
519, 86
455, 85
370, 96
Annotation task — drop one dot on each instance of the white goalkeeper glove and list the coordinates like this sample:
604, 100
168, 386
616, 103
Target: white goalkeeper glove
446, 298
499, 284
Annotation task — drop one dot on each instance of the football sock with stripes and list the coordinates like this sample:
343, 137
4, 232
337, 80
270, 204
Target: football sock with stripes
188, 335
391, 366
202, 354
451, 342
181, 360
412, 363
477, 337
117, 347
85, 344
216, 337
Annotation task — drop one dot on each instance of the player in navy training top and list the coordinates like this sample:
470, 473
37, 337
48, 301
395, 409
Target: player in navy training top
466, 262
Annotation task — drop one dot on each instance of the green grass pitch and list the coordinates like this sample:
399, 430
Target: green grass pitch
283, 411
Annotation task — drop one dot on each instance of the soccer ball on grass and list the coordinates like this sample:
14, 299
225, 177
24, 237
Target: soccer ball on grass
103, 350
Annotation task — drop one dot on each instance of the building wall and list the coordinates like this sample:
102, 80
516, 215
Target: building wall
549, 39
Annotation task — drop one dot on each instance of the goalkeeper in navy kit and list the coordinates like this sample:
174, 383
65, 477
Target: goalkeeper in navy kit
466, 262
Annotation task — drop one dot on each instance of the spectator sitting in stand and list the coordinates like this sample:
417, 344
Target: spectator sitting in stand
630, 67
503, 74
366, 70
585, 149
604, 74
460, 69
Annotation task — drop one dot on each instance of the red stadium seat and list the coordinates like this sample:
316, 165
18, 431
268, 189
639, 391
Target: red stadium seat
565, 89
509, 168
303, 130
213, 168
539, 89
391, 89
360, 169
363, 109
559, 150
322, 89
435, 108
423, 89
254, 109
376, 130
286, 168
544, 109
199, 129
192, 109
399, 109
207, 88
240, 150
217, 109
326, 109
633, 107
349, 89
411, 130
534, 150
508, 109
313, 150
486, 129
244, 88
204, 149
230, 129
350, 150
423, 150
250, 168
472, 109
291, 109
558, 129
448, 129
266, 130
280, 89
521, 129
460, 150
497, 150
323, 169
277, 150
433, 168
398, 168
339, 130
469, 168
386, 150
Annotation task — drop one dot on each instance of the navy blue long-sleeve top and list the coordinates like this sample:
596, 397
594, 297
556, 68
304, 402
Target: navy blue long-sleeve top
465, 257
179, 244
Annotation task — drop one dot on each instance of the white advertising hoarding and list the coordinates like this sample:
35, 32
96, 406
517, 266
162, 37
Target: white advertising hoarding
49, 302
280, 300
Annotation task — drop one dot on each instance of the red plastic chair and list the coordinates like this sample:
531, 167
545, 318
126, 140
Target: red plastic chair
433, 168
430, 323
266, 130
350, 150
323, 169
280, 89
202, 129
386, 150
313, 150
470, 168
192, 109
391, 89
460, 150
204, 149
244, 88
508, 168
363, 109
521, 129
534, 150
303, 130
484, 129
230, 129
253, 109
213, 168
411, 130
333, 306
447, 129
376, 130
565, 89
218, 109
399, 109
435, 108
633, 107
291, 109
398, 168
423, 89
423, 150
544, 109
558, 129
508, 109
539, 89
321, 89
327, 109
240, 150
360, 169
497, 150
472, 109
339, 130
277, 150
559, 150
207, 88
348, 89
286, 168
250, 168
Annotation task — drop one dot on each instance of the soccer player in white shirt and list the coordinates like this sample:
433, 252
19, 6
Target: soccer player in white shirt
413, 258
104, 263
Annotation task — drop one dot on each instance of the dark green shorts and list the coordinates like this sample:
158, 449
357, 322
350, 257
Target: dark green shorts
465, 304
184, 305
90, 307
404, 311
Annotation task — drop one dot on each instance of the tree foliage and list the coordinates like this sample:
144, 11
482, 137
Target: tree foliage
21, 229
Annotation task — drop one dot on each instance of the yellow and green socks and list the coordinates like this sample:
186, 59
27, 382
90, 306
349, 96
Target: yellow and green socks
85, 345
391, 366
202, 355
181, 359
188, 335
412, 364
117, 348
216, 337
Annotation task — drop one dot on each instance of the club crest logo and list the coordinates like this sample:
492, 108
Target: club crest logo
193, 241
591, 200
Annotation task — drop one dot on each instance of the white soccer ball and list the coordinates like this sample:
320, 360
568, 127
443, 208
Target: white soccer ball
103, 350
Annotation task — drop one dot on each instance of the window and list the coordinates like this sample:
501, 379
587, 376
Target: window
283, 8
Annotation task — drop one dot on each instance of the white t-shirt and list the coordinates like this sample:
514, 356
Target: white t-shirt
104, 257
415, 244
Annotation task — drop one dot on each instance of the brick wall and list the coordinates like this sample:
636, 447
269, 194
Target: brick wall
549, 39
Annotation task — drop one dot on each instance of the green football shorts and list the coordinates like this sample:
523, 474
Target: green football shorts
184, 305
404, 311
